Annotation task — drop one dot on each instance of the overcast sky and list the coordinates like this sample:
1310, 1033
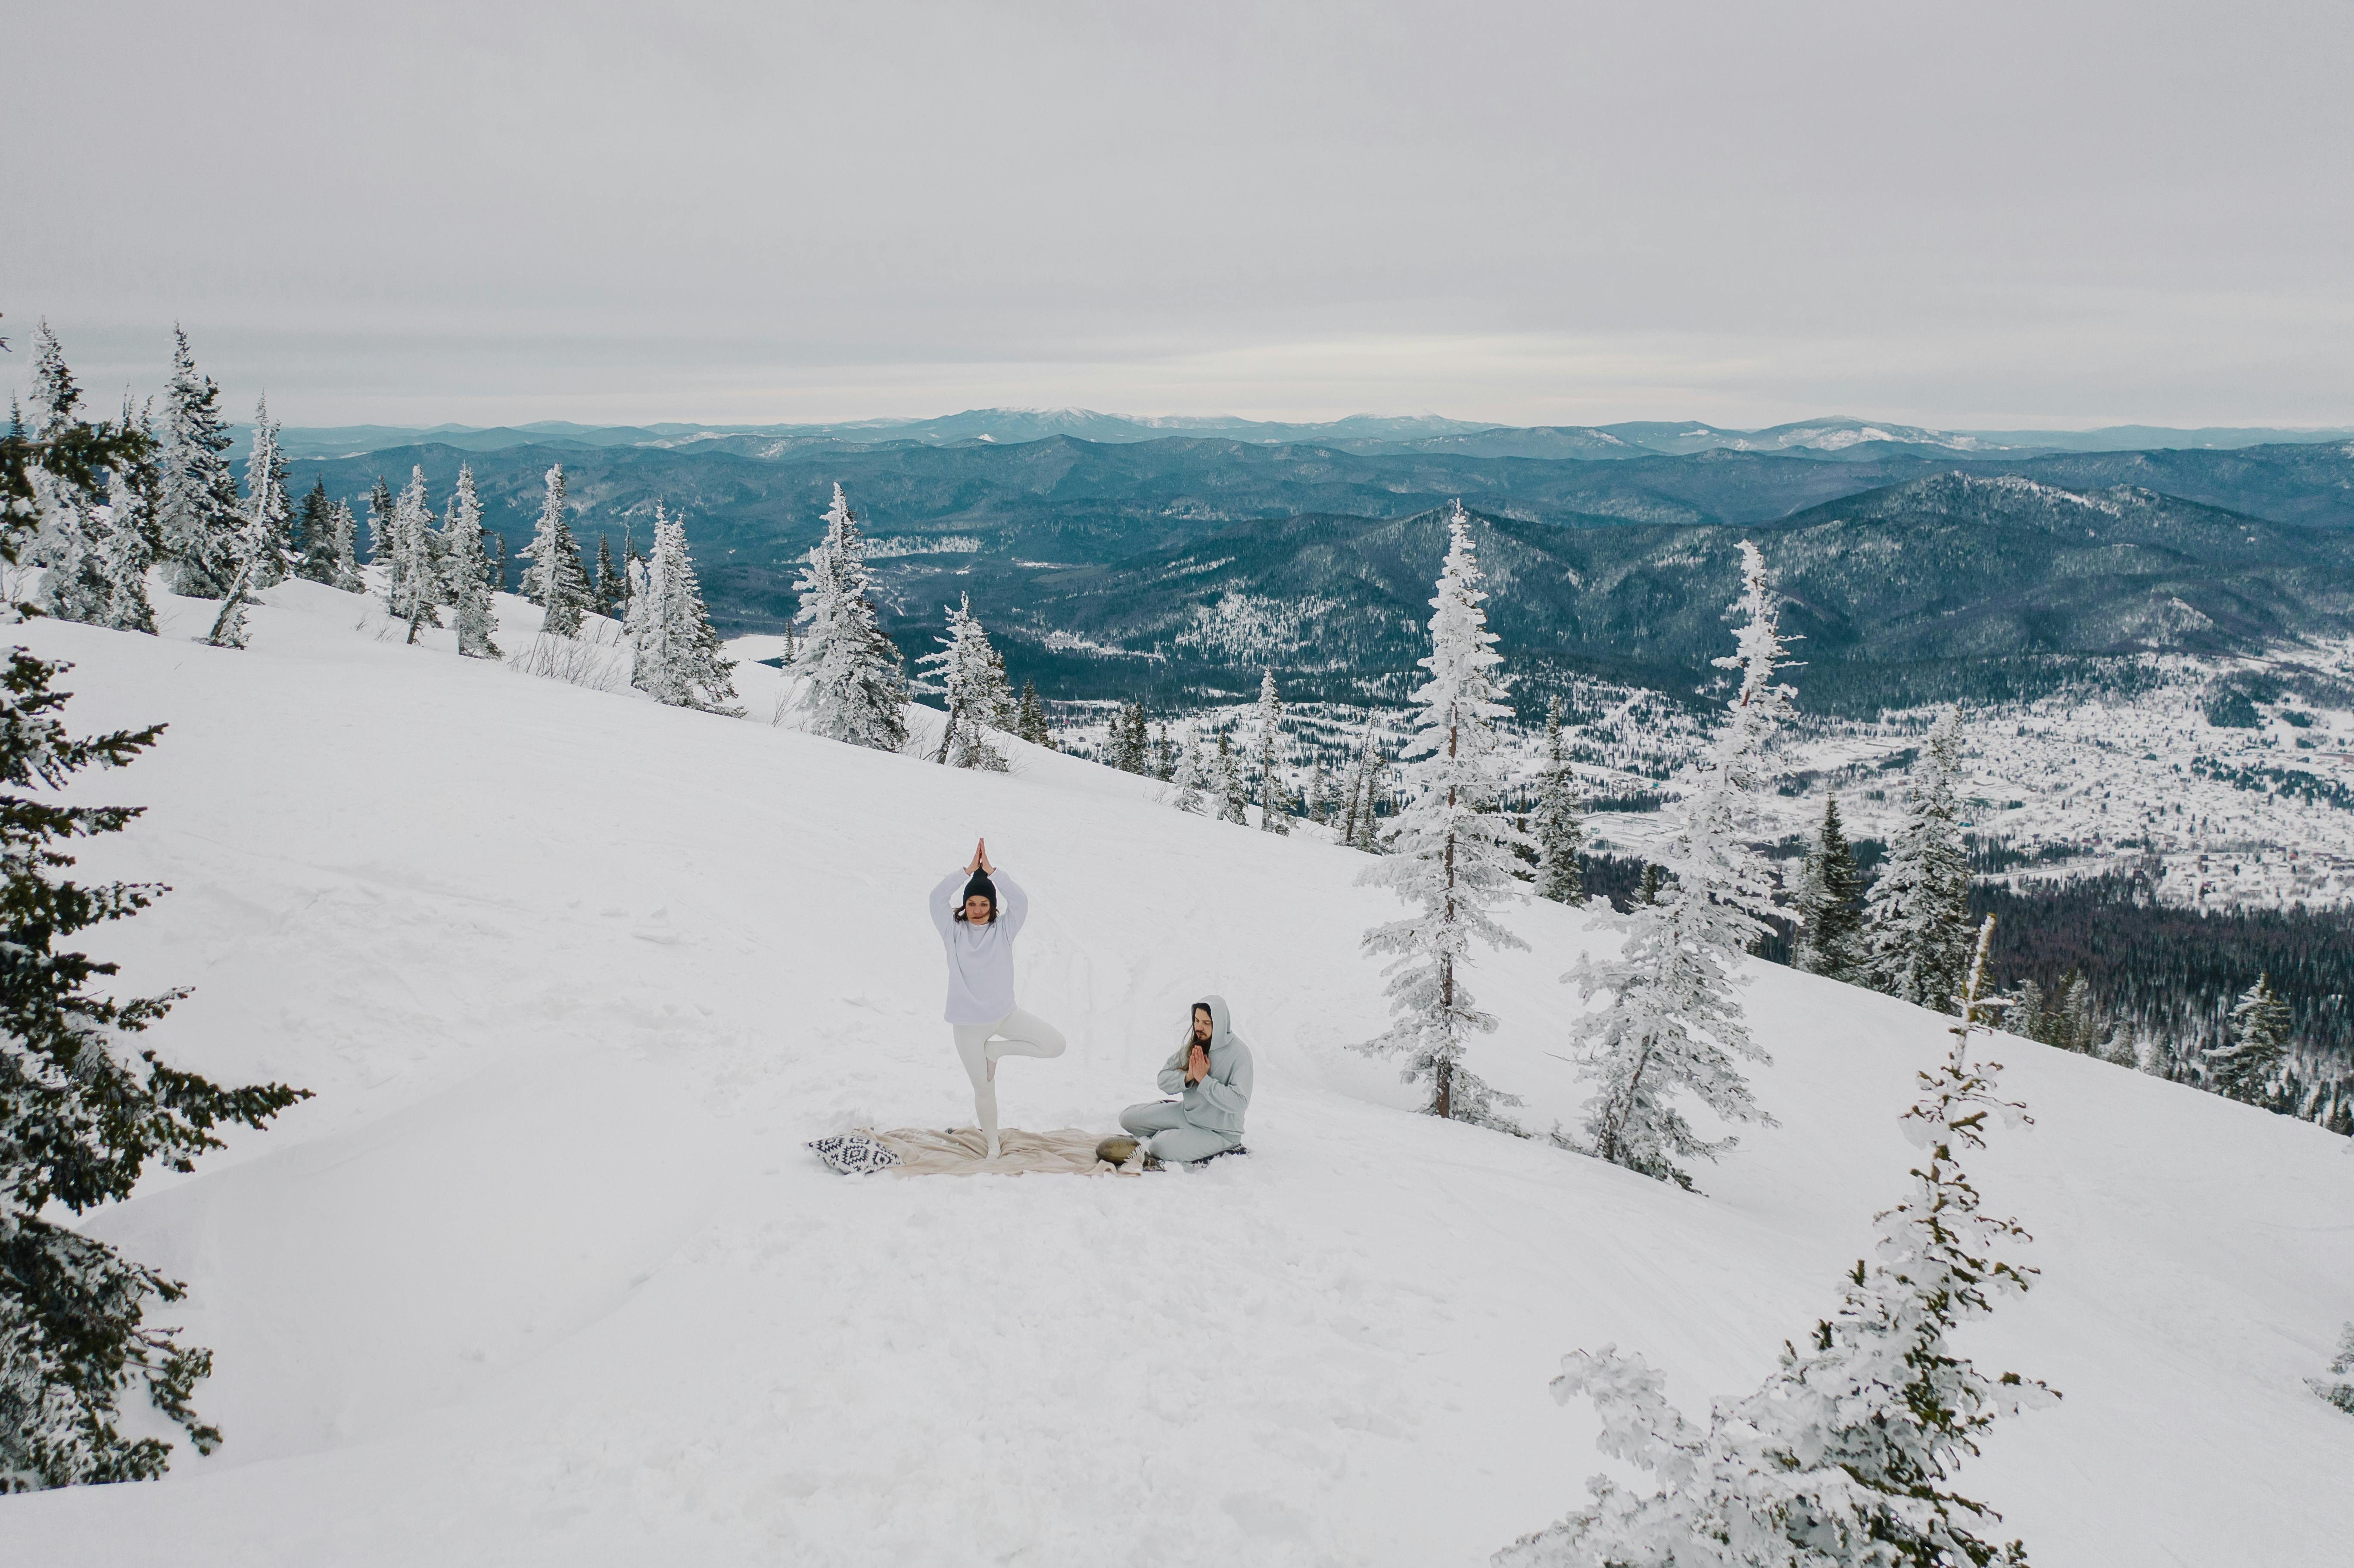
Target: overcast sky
1980, 215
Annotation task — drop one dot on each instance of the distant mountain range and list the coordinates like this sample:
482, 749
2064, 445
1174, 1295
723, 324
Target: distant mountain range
1365, 433
1182, 563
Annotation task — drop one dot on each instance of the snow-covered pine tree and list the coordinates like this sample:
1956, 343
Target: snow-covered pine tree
1454, 859
57, 400
314, 520
1672, 1023
1917, 914
1846, 1456
1188, 778
1164, 756
1357, 825
1273, 801
1030, 718
1226, 783
260, 549
381, 532
461, 562
2338, 1388
852, 687
1558, 834
972, 682
608, 592
678, 659
344, 529
411, 588
84, 516
64, 541
197, 507
1127, 746
1830, 904
2243, 1069
555, 581
268, 515
83, 1111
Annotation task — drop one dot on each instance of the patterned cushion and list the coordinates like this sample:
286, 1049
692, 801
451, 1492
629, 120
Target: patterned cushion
849, 1152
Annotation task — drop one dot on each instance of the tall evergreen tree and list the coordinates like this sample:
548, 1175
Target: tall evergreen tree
1127, 746
461, 560
1453, 866
315, 519
971, 681
197, 507
1226, 783
83, 1111
554, 581
1830, 904
412, 588
1164, 756
1274, 804
1558, 834
608, 592
344, 529
1672, 1023
57, 400
1917, 928
1846, 1457
125, 549
2243, 1070
1188, 777
852, 685
678, 659
1030, 718
261, 547
84, 517
381, 530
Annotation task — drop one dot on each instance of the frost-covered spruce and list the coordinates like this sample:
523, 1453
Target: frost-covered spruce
411, 586
2338, 1387
1554, 824
677, 658
468, 588
1453, 861
314, 521
1274, 808
1128, 746
1188, 778
83, 1108
1030, 718
1231, 794
2243, 1069
555, 581
260, 549
125, 552
1359, 829
971, 680
1917, 916
344, 529
1830, 904
1846, 1456
196, 513
608, 592
852, 687
381, 507
1672, 1024
94, 548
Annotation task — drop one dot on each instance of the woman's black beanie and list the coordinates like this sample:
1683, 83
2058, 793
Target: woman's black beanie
986, 888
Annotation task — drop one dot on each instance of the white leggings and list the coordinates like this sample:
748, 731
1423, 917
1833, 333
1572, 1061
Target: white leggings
979, 1045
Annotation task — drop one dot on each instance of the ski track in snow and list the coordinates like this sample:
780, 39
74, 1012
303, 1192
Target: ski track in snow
544, 1274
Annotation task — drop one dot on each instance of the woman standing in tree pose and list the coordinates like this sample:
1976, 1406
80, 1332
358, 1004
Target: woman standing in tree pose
979, 929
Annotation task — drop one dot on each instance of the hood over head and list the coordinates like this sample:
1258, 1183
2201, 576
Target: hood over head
1221, 1023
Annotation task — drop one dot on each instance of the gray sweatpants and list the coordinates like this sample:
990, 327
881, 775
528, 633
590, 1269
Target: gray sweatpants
1167, 1135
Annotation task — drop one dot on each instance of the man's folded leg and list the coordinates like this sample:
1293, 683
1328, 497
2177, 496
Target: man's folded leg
1183, 1144
1153, 1116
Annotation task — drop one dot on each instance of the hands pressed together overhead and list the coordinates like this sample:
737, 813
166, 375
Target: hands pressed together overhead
980, 861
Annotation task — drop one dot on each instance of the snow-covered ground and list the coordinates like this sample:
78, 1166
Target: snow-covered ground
544, 1274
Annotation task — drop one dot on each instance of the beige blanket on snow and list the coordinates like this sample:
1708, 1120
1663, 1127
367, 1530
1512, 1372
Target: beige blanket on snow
1067, 1151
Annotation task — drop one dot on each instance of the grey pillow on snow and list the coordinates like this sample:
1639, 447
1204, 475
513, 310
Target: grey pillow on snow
853, 1152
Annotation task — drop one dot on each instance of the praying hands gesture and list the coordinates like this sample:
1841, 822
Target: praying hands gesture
980, 861
1197, 1064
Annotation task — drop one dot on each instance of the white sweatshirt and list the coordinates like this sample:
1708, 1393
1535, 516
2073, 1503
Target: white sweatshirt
980, 957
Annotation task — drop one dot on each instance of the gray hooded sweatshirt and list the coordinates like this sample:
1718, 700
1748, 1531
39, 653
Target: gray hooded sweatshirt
1218, 1101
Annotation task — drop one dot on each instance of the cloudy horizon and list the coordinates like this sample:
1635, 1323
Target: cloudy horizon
1538, 216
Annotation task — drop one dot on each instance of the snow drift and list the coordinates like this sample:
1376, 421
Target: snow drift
544, 1274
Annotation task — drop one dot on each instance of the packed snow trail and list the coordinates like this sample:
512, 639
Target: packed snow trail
544, 1274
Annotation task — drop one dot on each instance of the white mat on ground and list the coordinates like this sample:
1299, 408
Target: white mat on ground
962, 1152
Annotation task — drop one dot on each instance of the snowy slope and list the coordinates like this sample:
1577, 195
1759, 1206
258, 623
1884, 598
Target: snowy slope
544, 1274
